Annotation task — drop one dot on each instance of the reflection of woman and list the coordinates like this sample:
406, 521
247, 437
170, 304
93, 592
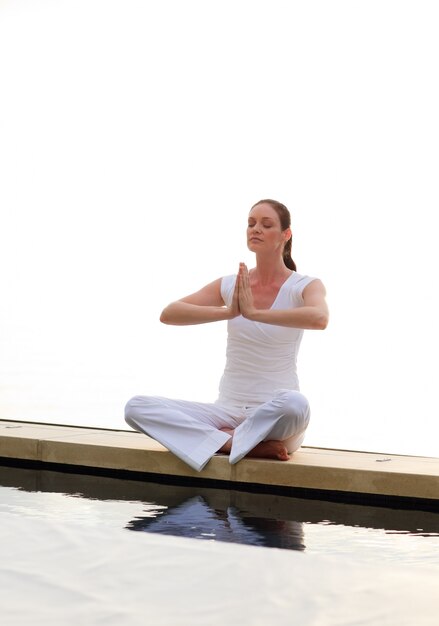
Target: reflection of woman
198, 519
260, 411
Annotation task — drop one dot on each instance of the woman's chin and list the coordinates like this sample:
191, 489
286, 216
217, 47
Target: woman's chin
253, 246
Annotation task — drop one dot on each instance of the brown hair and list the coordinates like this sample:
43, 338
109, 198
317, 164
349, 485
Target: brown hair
285, 222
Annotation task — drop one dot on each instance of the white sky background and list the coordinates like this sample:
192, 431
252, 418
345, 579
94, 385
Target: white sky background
135, 136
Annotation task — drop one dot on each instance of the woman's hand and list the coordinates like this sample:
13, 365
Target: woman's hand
245, 296
233, 309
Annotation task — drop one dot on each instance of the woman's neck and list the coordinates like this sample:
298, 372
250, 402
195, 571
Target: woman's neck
270, 270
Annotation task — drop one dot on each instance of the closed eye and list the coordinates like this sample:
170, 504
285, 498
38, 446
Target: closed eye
264, 225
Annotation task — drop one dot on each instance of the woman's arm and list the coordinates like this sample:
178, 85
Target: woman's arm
201, 307
312, 315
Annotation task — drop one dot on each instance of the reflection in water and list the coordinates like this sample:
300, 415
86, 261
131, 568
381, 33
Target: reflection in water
201, 518
224, 515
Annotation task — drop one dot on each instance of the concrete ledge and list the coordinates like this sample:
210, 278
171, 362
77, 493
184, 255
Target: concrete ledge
324, 470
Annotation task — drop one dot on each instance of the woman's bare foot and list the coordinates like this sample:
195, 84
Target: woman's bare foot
228, 445
272, 449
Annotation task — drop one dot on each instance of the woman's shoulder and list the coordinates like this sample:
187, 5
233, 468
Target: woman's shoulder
229, 279
300, 279
297, 283
227, 287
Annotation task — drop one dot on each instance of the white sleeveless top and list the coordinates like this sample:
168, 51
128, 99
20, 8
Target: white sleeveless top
261, 358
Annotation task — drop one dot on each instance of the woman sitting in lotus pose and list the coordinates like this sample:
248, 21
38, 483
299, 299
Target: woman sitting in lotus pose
260, 411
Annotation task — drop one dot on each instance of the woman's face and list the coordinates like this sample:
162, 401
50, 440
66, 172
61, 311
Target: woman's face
264, 231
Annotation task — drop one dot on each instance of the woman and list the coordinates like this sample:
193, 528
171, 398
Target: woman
260, 411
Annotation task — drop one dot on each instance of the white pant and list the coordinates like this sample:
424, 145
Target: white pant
191, 429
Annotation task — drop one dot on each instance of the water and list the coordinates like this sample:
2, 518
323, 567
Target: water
368, 534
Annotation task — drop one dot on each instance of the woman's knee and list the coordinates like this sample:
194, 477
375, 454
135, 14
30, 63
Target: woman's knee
130, 409
140, 410
131, 406
296, 407
136, 407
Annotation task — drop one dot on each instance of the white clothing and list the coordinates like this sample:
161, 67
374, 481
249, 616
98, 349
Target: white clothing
261, 358
191, 429
259, 392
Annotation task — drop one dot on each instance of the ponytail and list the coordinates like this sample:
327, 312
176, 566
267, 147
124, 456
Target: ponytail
287, 256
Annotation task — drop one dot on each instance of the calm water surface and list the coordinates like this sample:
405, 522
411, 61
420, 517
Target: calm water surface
370, 534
